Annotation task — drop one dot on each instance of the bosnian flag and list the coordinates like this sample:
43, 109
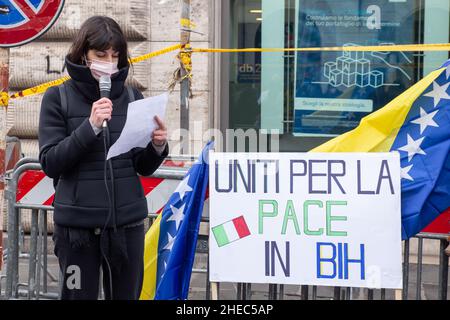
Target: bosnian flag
231, 231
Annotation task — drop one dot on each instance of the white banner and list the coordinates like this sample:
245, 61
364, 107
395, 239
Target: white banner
326, 219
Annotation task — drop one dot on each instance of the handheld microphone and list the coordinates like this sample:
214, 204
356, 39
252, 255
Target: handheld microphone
105, 91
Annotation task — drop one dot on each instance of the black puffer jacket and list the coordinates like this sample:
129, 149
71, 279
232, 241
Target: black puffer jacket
70, 150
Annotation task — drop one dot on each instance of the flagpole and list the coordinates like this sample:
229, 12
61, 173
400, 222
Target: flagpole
185, 38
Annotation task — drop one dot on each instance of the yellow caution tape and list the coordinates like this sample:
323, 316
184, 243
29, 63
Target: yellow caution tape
40, 88
389, 48
43, 87
186, 23
185, 58
156, 53
4, 97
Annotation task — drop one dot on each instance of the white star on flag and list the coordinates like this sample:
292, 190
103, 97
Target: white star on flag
438, 93
183, 187
413, 147
177, 216
405, 173
426, 120
165, 268
170, 242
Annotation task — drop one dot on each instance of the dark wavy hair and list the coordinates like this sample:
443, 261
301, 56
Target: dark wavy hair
99, 33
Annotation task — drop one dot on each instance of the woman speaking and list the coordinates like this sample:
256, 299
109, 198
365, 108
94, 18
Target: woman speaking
99, 206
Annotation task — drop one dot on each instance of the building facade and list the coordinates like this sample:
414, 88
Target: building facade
299, 99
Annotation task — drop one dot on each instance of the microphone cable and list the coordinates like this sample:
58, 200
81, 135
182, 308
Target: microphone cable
105, 89
106, 142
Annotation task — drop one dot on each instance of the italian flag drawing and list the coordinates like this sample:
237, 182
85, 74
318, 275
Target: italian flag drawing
230, 231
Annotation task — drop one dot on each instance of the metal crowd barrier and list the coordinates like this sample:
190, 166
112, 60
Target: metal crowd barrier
38, 253
38, 256
38, 240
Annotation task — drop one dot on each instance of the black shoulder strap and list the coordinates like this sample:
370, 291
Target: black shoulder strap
130, 93
64, 108
63, 95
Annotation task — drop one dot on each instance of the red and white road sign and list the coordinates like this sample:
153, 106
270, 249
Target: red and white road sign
22, 21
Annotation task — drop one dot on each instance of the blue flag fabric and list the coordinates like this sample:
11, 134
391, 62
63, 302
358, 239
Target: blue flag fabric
424, 143
417, 125
179, 228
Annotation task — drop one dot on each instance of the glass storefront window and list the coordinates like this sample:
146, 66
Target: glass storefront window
245, 68
311, 97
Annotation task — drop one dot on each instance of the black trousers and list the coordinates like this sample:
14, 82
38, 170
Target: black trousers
82, 252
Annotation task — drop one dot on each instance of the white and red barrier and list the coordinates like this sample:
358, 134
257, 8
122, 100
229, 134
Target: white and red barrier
35, 188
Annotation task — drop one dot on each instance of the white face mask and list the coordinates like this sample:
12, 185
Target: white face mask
102, 68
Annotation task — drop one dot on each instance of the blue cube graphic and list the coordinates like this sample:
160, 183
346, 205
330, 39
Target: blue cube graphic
362, 80
329, 66
346, 65
340, 62
363, 66
376, 79
349, 66
348, 79
336, 77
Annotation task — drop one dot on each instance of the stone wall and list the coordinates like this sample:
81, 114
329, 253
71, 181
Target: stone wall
149, 26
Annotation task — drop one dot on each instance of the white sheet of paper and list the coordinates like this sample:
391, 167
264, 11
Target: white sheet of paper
140, 124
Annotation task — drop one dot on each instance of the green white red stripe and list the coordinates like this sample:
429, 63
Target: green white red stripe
231, 231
